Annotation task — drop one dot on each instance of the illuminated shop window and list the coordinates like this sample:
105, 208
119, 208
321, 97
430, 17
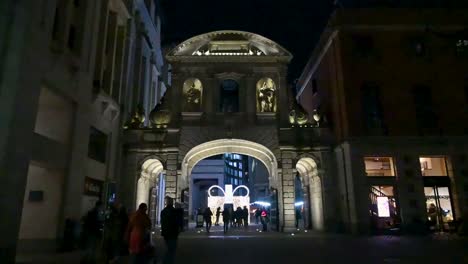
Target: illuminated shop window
438, 207
383, 208
379, 166
433, 166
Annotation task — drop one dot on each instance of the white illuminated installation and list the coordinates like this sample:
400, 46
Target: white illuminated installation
229, 198
383, 206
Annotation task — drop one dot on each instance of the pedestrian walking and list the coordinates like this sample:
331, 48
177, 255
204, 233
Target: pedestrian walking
207, 216
258, 213
264, 219
245, 216
92, 232
239, 213
218, 213
226, 219
139, 236
170, 229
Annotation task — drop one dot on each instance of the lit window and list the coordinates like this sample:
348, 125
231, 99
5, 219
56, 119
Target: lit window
383, 207
433, 166
379, 166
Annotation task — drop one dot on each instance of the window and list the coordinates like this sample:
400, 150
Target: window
433, 166
439, 207
383, 208
371, 107
363, 46
425, 115
229, 97
97, 145
379, 166
314, 86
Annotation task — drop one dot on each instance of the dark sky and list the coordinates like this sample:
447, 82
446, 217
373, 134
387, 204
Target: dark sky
294, 24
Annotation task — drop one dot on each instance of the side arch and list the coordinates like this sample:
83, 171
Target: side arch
307, 168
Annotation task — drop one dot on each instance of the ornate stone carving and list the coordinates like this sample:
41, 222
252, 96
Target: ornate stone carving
137, 118
160, 116
266, 95
297, 115
192, 92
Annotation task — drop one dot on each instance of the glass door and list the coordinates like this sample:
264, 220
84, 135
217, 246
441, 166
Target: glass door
439, 208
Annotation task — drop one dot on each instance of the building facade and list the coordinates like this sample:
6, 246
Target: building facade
381, 78
229, 95
61, 125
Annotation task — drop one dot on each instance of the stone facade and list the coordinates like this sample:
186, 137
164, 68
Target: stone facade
259, 127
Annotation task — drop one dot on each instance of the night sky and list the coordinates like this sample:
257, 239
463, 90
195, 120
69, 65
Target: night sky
294, 24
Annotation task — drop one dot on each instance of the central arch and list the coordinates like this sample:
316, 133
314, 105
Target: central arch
221, 146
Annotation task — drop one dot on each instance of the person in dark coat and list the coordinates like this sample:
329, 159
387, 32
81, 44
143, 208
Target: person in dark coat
239, 213
218, 213
207, 216
170, 229
226, 219
92, 229
245, 216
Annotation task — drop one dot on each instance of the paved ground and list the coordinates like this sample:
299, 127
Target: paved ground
251, 246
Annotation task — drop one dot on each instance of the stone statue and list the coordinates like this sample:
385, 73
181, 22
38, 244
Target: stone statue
267, 97
192, 99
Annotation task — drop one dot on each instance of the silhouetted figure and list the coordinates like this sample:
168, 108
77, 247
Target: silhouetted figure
298, 217
264, 219
245, 216
226, 219
170, 229
123, 222
92, 230
111, 234
207, 217
218, 213
139, 235
258, 213
239, 213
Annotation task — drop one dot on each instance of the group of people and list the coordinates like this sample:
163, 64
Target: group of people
237, 218
115, 234
234, 218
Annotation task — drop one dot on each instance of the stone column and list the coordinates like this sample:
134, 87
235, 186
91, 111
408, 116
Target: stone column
108, 78
117, 85
289, 223
251, 98
171, 176
282, 103
128, 179
410, 196
101, 45
18, 107
307, 210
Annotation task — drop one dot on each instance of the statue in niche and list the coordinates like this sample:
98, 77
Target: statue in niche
266, 95
192, 95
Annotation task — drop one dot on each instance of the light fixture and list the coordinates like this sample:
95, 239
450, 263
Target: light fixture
317, 117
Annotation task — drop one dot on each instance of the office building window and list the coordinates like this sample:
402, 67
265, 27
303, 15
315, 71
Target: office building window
433, 166
425, 115
372, 107
379, 166
97, 145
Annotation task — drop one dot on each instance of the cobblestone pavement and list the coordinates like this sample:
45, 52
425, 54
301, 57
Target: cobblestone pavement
241, 246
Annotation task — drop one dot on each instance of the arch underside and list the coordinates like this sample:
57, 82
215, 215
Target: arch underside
307, 169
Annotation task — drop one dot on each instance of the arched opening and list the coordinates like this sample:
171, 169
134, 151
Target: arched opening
150, 188
229, 96
238, 161
312, 200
